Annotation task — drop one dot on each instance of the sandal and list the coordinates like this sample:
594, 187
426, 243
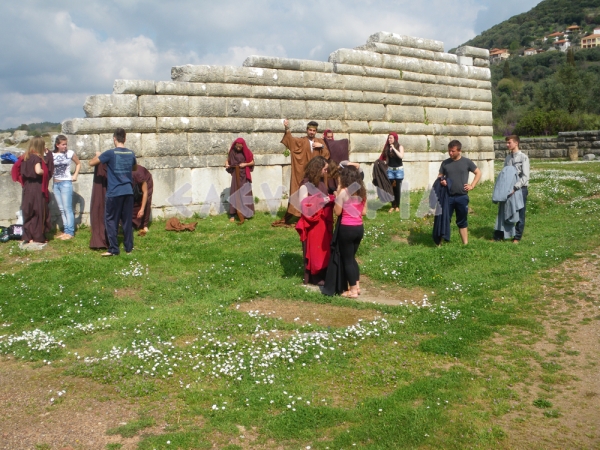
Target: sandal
142, 233
349, 294
108, 254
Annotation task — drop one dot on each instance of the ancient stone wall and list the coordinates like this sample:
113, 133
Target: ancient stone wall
556, 147
181, 129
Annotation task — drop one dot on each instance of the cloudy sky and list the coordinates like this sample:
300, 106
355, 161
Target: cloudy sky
55, 53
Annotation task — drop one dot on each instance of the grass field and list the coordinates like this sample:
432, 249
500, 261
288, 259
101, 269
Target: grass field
170, 329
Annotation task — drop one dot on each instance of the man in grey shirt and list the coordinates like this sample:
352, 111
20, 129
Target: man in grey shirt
520, 161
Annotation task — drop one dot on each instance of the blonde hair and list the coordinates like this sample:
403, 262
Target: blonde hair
37, 146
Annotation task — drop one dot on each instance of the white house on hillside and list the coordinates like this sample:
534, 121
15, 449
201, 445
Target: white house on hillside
562, 45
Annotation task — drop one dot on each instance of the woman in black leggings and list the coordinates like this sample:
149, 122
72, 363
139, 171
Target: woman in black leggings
350, 204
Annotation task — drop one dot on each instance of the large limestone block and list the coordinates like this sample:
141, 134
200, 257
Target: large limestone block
254, 108
280, 92
273, 177
228, 90
266, 125
415, 143
84, 145
473, 52
479, 73
323, 80
291, 78
459, 117
268, 62
164, 144
419, 77
401, 63
379, 97
486, 131
119, 105
180, 88
337, 95
367, 142
264, 142
404, 87
365, 111
349, 69
436, 115
161, 162
231, 125
210, 143
210, 185
325, 110
415, 114
172, 187
137, 87
485, 143
465, 60
377, 72
355, 83
251, 75
207, 107
109, 124
406, 41
480, 95
10, 200
182, 124
385, 128
477, 106
417, 128
164, 105
478, 62
356, 57
293, 109
314, 94
433, 67
271, 159
483, 118
484, 85
198, 74
133, 142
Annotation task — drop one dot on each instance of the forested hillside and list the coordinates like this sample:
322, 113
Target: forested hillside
552, 91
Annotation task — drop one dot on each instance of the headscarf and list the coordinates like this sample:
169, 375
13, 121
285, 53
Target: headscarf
325, 134
383, 155
247, 155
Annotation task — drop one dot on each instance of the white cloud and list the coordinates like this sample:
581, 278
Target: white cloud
235, 56
31, 108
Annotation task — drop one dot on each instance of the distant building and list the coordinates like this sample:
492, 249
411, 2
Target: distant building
597, 30
498, 54
554, 36
591, 41
573, 29
562, 45
531, 52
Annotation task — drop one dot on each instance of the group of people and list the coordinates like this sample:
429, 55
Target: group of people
122, 193
323, 183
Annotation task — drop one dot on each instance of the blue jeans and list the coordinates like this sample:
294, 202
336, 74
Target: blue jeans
395, 173
63, 192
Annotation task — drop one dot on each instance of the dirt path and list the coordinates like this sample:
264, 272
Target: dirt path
567, 375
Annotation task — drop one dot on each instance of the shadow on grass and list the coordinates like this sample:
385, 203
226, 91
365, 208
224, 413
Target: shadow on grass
292, 265
418, 237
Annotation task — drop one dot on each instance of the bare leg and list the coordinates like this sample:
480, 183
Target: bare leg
464, 235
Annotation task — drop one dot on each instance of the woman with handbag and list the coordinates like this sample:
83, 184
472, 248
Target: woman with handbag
393, 153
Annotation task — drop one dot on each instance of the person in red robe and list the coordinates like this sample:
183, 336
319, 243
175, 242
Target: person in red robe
315, 225
32, 172
240, 156
142, 208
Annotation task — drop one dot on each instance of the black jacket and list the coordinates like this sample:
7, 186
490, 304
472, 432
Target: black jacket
385, 192
438, 200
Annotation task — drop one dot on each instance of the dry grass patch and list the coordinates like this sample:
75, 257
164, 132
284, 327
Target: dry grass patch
309, 313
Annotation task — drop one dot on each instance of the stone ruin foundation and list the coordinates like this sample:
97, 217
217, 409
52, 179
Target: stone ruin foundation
181, 129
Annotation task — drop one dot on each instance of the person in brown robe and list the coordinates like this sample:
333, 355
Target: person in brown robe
240, 155
49, 160
98, 240
302, 150
33, 176
141, 210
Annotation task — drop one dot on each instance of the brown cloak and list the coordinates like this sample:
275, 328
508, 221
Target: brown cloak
98, 238
139, 176
33, 204
301, 154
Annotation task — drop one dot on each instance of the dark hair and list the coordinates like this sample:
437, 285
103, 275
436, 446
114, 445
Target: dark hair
312, 124
60, 138
456, 144
333, 169
514, 137
350, 175
313, 169
120, 135
396, 145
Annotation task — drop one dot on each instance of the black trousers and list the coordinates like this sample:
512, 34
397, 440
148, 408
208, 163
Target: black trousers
119, 209
349, 238
397, 187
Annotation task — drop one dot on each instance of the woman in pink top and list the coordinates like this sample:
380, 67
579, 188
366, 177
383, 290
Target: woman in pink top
350, 204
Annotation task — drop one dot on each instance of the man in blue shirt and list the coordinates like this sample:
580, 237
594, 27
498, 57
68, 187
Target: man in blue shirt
120, 163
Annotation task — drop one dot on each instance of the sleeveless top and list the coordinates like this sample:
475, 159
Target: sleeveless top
352, 211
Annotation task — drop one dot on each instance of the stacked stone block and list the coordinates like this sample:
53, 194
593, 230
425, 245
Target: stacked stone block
182, 129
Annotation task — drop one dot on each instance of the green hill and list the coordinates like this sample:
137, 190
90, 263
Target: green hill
547, 17
552, 91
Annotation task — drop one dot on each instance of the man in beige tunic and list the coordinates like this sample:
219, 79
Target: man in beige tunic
302, 150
